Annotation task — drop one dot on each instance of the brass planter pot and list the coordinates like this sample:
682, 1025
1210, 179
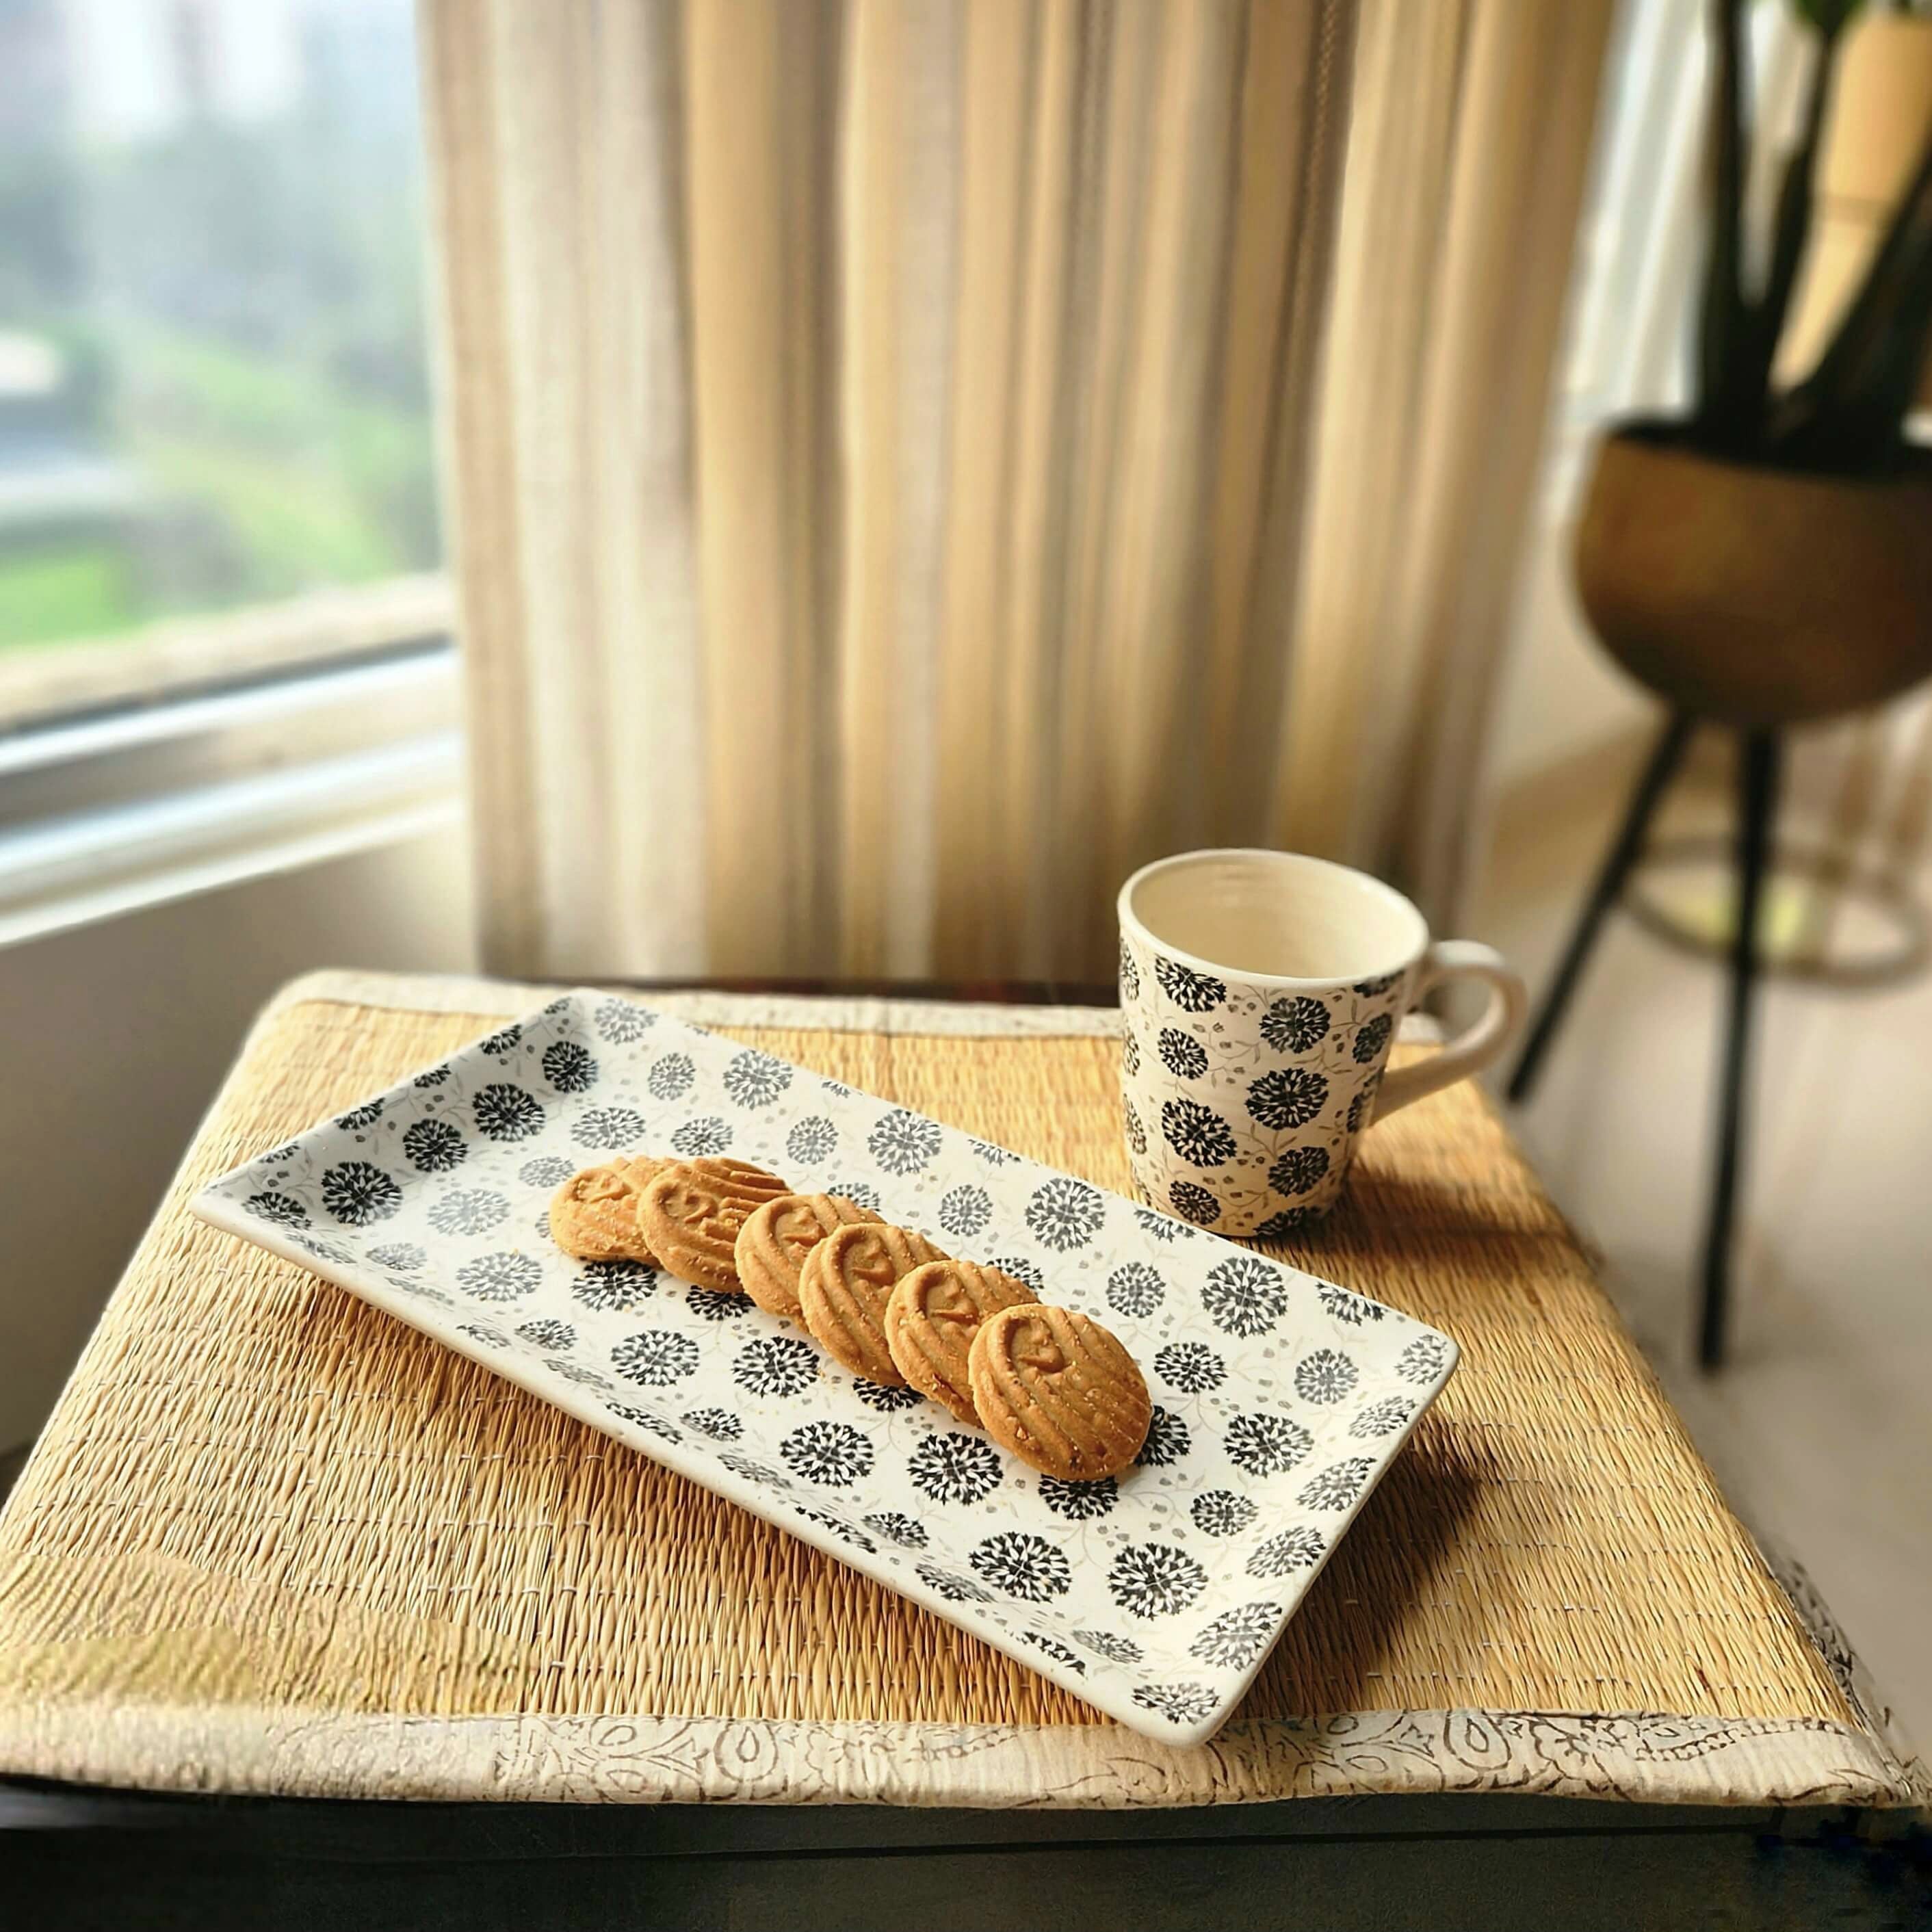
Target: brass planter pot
1752, 595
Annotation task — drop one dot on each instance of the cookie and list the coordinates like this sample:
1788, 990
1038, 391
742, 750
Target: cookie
843, 1289
931, 1318
690, 1211
773, 1244
1060, 1391
593, 1216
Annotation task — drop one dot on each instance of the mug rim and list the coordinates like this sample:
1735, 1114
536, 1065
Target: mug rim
1130, 921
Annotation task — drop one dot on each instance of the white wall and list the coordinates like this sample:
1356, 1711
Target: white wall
117, 1036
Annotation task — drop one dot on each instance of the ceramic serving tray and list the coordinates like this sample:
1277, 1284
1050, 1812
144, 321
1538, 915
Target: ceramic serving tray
1280, 1399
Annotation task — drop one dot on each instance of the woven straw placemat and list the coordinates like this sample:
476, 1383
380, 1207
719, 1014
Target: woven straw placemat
273, 1540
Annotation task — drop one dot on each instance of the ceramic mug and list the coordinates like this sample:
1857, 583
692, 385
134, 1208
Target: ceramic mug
1260, 994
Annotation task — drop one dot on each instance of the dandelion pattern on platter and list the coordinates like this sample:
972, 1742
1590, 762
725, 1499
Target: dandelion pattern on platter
547, 1170
887, 1398
752, 1470
1190, 1198
1298, 1170
1326, 1375
696, 1139
776, 1365
1290, 1096
1371, 1039
994, 1157
1345, 1305
434, 1146
1162, 1227
547, 1332
614, 1288
1381, 1418
647, 1420
1337, 1486
1022, 1270
1023, 1565
755, 1079
656, 1358
906, 1531
903, 1142
1079, 1502
366, 1115
1114, 1649
481, 1331
956, 1468
1222, 1513
507, 1276
1192, 992
502, 1042
405, 1257
430, 1076
568, 1067
1179, 1703
608, 1127
834, 1453
860, 1193
622, 1023
358, 1191
955, 1589
1135, 1289
1234, 1640
1065, 1214
964, 1211
1197, 1133
1423, 1359
1295, 1023
1301, 1548
711, 1304
812, 1140
1155, 1580
670, 1079
280, 1211
1167, 1440
720, 1424
1245, 1295
575, 1371
1181, 1053
505, 1112
844, 1530
1060, 1653
1267, 1445
468, 1211
1191, 1367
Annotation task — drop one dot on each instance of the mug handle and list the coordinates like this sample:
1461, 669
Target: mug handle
1472, 1050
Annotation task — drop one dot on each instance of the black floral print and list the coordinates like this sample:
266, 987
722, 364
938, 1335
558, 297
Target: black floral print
750, 1470
614, 1288
1345, 1305
839, 1528
1236, 1638
431, 1076
1130, 1055
652, 1424
708, 1304
1290, 1096
1221, 1513
1163, 1227
1326, 1375
283, 1210
1167, 1440
1192, 992
1191, 1367
1022, 1269
506, 1113
547, 1170
1423, 1359
903, 1142
481, 1331
1361, 1109
1373, 989
322, 1251
964, 1211
1295, 1023
548, 1333
1289, 1221
755, 1079
994, 1157
955, 1468
887, 1399
1301, 1548
1079, 1502
1065, 1214
1024, 1565
656, 1358
1371, 1037
1197, 1133
812, 1140
1130, 1125
499, 1277
671, 1076
1155, 1580
1298, 1169
1381, 1418
358, 1191
1181, 1053
707, 1135
502, 1041
1244, 1295
1052, 1647
837, 1087
568, 1067
620, 1022
608, 1127
860, 1193
575, 1371
1195, 1202
1104, 1643
780, 1365
1130, 977
1338, 1485
954, 1589
720, 1424
834, 1453
906, 1531
468, 1211
1180, 1703
1265, 1445
366, 1115
434, 1147
1134, 1288
405, 1257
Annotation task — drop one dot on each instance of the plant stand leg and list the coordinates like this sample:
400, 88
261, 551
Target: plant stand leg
1757, 807
1625, 851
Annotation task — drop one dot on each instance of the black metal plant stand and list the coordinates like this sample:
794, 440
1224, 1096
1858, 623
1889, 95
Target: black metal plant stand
1760, 749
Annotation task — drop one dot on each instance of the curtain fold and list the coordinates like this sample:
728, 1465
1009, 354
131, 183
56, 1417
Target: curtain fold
912, 461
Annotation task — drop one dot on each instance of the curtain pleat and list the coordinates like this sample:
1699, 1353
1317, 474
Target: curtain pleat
913, 461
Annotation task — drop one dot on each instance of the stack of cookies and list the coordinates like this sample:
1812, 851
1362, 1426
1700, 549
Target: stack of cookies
1056, 1388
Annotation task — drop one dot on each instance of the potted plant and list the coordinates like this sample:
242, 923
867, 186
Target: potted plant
1767, 558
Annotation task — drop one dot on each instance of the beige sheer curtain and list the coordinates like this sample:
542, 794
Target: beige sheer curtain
910, 461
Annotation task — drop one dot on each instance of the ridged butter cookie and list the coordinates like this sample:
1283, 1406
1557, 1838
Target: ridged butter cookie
843, 1289
773, 1244
690, 1212
931, 1319
1060, 1391
593, 1216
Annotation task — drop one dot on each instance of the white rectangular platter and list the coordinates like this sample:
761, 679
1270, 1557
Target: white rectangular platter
1280, 1399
